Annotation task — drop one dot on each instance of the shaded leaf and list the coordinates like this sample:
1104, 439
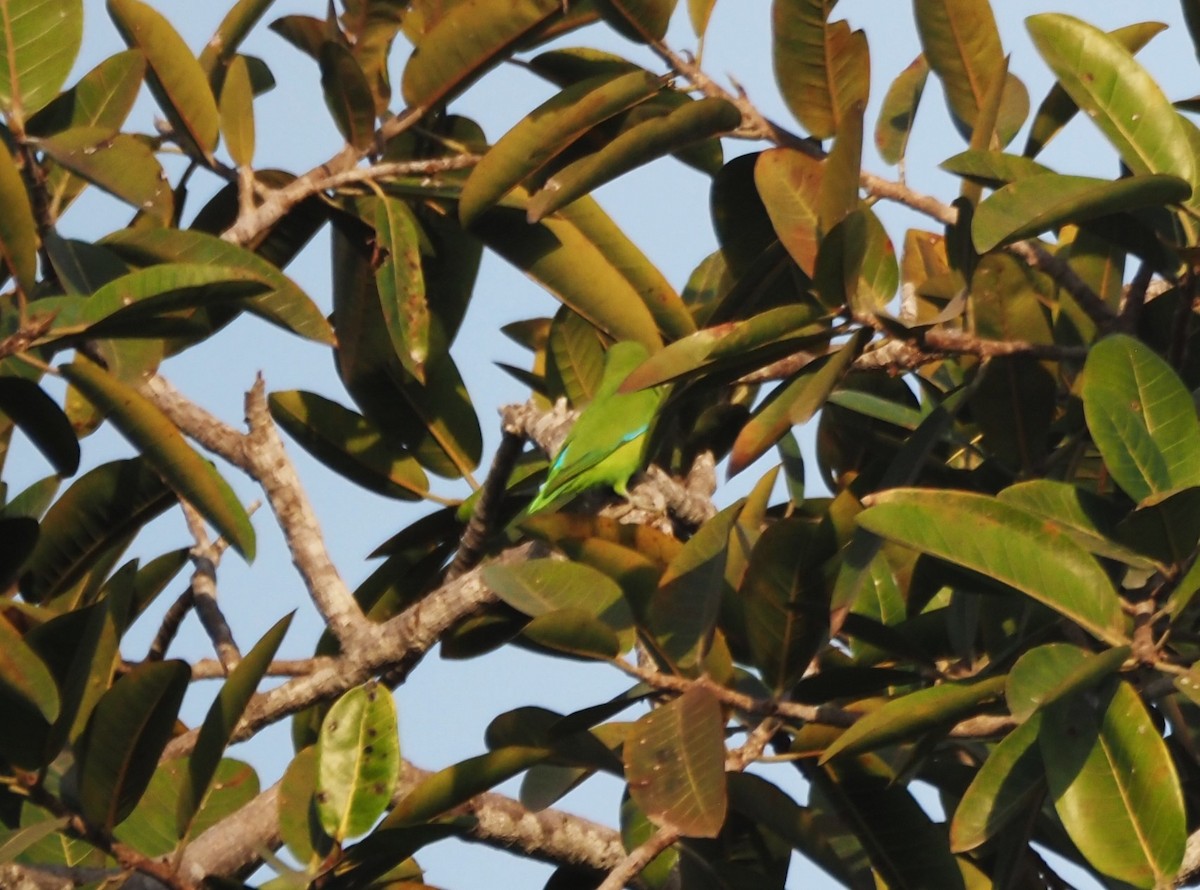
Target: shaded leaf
789, 183
176, 78
18, 230
24, 674
1008, 783
401, 284
120, 164
299, 826
1027, 552
219, 723
899, 109
130, 726
103, 508
640, 20
162, 445
40, 418
1045, 674
347, 95
675, 764
349, 444
1141, 417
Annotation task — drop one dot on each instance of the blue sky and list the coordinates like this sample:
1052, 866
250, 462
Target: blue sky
446, 705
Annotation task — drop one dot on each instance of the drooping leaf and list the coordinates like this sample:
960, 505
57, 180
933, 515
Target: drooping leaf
1114, 785
120, 164
401, 284
1116, 92
1058, 107
650, 139
675, 764
236, 108
130, 726
349, 444
546, 132
39, 40
1141, 417
1045, 201
464, 43
161, 443
176, 79
899, 109
1025, 551
101, 509
40, 418
18, 230
822, 67
220, 722
358, 761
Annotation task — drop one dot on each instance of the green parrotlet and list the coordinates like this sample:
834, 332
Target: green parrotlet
607, 444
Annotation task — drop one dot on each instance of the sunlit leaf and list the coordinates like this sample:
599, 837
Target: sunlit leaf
789, 183
236, 108
401, 284
39, 40
899, 109
1027, 552
18, 231
120, 164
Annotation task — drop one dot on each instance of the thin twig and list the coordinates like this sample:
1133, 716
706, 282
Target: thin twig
206, 556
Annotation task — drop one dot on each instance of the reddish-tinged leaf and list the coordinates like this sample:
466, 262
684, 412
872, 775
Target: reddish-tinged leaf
24, 674
675, 764
789, 183
899, 110
401, 283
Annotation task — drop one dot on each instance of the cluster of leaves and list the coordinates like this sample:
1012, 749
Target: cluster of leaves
996, 599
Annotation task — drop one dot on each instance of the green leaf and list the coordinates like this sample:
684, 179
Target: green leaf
102, 98
546, 132
285, 305
578, 356
1117, 93
103, 508
791, 404
39, 40
299, 826
1027, 552
176, 79
130, 726
18, 230
675, 764
962, 45
24, 674
786, 600
905, 718
899, 110
456, 784
349, 444
642, 143
237, 112
120, 164
16, 841
543, 586
789, 183
575, 632
40, 418
1141, 417
1115, 787
237, 24
219, 723
358, 761
401, 284
1058, 107
347, 95
993, 168
640, 20
463, 44
1008, 783
1045, 201
822, 68
162, 445
1045, 674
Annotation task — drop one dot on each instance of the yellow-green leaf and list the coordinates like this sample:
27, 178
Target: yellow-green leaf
18, 230
176, 79
237, 112
39, 40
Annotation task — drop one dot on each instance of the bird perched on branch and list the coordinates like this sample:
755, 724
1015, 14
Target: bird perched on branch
607, 444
